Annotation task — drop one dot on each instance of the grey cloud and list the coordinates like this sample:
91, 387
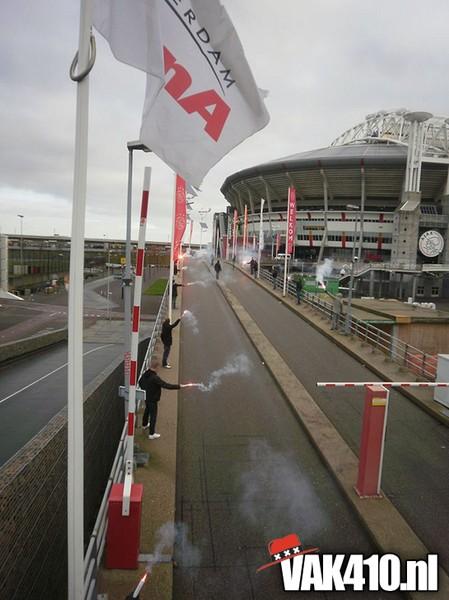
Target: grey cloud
326, 65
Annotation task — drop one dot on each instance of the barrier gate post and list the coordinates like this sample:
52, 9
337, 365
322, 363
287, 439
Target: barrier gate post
372, 441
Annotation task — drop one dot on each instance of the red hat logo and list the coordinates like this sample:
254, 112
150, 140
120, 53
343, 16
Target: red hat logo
286, 548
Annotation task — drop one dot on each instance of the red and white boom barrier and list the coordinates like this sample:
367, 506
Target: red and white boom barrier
384, 383
374, 425
129, 457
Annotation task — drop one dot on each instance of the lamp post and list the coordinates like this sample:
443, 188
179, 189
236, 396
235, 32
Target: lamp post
351, 278
108, 274
21, 243
127, 277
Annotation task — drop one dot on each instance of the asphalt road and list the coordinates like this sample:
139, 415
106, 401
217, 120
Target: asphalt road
246, 470
34, 389
415, 474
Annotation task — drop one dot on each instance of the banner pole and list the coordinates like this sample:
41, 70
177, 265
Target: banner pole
75, 423
172, 254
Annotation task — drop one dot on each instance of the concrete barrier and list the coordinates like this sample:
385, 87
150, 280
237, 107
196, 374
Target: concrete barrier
30, 344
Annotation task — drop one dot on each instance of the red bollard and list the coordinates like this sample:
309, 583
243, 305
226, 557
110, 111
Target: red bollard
372, 441
123, 534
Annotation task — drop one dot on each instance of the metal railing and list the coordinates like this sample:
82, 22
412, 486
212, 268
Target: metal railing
362, 268
95, 549
414, 359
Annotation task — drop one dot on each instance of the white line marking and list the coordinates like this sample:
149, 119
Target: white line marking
51, 373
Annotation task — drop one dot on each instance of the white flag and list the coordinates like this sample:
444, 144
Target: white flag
201, 98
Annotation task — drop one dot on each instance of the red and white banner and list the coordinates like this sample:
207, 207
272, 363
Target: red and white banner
201, 98
180, 215
234, 233
291, 225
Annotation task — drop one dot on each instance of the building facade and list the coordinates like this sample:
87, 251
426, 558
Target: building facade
36, 262
379, 193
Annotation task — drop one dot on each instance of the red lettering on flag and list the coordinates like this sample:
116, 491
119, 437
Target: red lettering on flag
208, 104
291, 225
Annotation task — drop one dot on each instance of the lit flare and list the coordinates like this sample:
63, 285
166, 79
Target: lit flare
140, 585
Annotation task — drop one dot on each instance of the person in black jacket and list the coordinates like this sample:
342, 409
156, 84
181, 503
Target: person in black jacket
153, 384
167, 340
174, 293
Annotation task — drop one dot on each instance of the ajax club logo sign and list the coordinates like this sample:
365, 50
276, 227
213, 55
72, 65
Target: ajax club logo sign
431, 243
305, 570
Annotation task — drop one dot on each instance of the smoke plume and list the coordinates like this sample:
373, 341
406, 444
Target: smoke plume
191, 321
166, 537
324, 270
239, 365
276, 489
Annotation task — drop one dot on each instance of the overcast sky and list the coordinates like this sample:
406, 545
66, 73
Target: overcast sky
325, 63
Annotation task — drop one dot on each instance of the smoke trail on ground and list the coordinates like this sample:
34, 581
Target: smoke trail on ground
239, 365
166, 537
276, 490
190, 319
324, 270
200, 283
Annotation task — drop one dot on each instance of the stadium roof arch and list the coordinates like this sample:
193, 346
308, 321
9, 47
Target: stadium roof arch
375, 150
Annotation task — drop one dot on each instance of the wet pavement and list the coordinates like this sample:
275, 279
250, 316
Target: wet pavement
246, 470
417, 446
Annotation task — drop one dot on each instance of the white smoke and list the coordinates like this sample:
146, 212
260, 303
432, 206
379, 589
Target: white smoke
166, 537
191, 321
201, 283
324, 270
239, 365
275, 484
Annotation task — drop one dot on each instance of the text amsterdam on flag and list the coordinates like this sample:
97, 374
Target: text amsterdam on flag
201, 98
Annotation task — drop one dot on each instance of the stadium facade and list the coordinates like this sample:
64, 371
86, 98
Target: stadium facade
379, 192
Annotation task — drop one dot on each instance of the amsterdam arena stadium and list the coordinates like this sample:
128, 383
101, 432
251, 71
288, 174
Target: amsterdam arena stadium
378, 194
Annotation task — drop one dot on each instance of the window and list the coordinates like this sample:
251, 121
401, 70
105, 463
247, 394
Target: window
435, 291
420, 290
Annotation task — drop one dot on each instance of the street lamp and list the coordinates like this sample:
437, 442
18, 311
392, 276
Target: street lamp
351, 279
21, 243
127, 277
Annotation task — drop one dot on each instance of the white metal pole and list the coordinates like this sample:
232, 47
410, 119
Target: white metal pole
140, 265
172, 254
259, 254
75, 434
284, 289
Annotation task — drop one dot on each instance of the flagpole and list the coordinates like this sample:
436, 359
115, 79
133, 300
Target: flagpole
75, 434
172, 255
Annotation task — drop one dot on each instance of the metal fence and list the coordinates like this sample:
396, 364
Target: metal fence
414, 359
95, 549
